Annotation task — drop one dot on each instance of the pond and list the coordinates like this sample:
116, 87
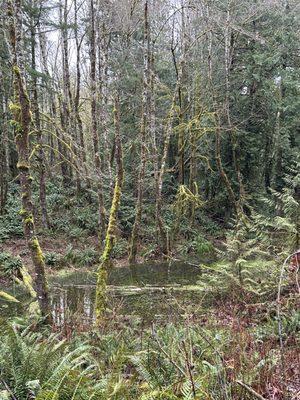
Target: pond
148, 292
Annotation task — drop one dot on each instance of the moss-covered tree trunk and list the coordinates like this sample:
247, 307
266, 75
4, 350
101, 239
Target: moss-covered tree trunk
22, 120
4, 159
110, 238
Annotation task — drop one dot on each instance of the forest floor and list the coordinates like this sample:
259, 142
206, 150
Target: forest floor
233, 322
59, 246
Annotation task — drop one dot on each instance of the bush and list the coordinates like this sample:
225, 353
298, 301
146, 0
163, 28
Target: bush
11, 222
80, 258
120, 248
9, 265
52, 259
202, 246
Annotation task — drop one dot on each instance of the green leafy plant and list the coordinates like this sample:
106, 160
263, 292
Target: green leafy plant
52, 259
33, 366
9, 265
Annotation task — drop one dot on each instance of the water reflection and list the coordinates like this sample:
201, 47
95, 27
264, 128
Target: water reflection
149, 292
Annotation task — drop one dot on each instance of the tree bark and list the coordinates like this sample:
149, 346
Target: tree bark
77, 98
4, 159
22, 121
97, 159
110, 238
37, 123
143, 136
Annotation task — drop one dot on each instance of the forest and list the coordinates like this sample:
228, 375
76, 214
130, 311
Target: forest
149, 199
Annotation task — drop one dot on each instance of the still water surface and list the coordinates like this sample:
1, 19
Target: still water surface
149, 292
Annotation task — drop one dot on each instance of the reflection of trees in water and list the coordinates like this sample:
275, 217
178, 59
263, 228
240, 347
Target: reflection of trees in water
58, 305
72, 303
131, 294
76, 304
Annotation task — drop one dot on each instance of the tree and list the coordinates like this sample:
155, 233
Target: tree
22, 120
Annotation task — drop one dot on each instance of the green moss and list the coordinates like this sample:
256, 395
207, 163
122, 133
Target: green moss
14, 108
27, 281
23, 212
100, 304
16, 70
110, 239
8, 297
23, 166
28, 220
36, 248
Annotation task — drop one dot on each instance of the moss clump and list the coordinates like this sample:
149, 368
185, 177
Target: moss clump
16, 70
23, 212
8, 297
100, 304
14, 108
28, 220
37, 251
23, 166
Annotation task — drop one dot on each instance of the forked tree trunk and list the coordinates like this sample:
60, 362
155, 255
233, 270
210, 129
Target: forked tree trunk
235, 203
22, 121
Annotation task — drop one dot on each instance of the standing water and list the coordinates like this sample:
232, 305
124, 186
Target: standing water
150, 292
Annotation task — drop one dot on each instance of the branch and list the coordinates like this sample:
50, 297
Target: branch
250, 390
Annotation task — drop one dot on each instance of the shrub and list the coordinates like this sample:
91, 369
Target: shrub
80, 258
120, 248
9, 265
202, 246
11, 222
52, 259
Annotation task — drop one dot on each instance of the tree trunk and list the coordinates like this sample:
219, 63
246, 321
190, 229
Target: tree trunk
37, 123
77, 98
4, 160
22, 122
97, 160
110, 238
103, 44
229, 48
160, 176
143, 160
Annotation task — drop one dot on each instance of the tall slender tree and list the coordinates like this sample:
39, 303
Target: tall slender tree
22, 120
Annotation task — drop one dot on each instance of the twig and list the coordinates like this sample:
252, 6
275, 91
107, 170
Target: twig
189, 369
166, 354
250, 390
8, 389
